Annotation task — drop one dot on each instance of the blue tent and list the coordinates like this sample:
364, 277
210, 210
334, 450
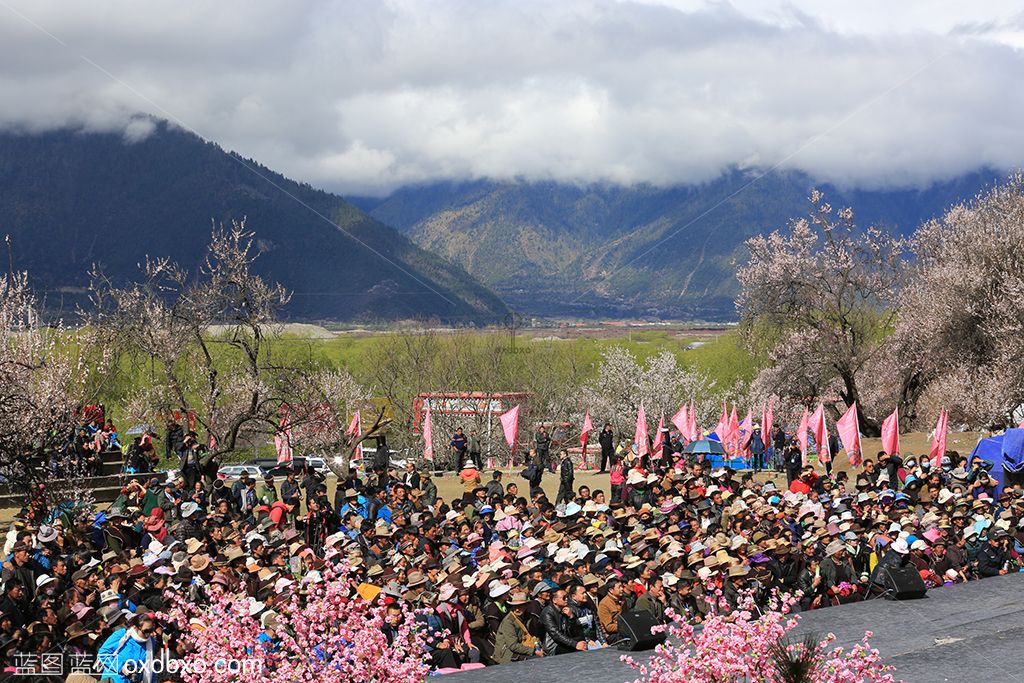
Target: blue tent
1005, 452
715, 460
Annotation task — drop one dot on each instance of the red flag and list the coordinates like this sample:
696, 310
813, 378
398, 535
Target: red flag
428, 437
658, 443
355, 429
510, 425
848, 427
939, 439
694, 432
801, 436
767, 418
640, 436
820, 432
891, 433
682, 422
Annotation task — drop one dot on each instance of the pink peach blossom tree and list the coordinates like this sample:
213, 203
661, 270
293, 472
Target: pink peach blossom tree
738, 647
326, 632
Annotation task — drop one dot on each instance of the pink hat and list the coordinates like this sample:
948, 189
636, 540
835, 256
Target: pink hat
932, 535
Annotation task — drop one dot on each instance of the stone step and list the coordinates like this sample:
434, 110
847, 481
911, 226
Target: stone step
105, 489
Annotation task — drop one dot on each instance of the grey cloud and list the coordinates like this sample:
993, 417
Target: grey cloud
363, 96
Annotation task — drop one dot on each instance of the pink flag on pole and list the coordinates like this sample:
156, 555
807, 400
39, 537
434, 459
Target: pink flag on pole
659, 446
585, 439
428, 437
356, 429
747, 427
767, 418
801, 435
510, 425
585, 432
848, 428
282, 441
695, 432
734, 433
640, 436
682, 422
891, 433
939, 439
722, 428
820, 432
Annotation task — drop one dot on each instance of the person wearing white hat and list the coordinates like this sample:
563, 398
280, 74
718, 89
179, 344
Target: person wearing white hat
898, 556
47, 534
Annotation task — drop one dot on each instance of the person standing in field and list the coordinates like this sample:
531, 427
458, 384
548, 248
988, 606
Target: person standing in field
543, 445
607, 440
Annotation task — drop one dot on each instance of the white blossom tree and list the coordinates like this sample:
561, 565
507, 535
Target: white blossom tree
205, 339
45, 378
662, 384
960, 334
820, 299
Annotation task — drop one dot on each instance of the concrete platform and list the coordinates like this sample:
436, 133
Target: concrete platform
971, 632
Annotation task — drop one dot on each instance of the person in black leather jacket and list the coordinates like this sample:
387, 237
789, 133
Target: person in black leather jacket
557, 620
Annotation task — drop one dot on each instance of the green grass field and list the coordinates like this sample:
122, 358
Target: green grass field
723, 357
555, 353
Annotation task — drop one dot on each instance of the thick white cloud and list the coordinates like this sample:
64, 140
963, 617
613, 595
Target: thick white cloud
361, 96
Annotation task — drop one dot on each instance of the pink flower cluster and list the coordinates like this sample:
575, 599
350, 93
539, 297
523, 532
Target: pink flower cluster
739, 647
328, 634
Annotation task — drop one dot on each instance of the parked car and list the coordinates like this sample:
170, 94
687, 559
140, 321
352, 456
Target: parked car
318, 464
235, 471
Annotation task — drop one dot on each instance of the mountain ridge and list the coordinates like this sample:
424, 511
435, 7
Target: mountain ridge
70, 199
604, 250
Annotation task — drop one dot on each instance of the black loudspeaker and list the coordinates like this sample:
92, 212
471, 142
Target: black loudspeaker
635, 630
902, 583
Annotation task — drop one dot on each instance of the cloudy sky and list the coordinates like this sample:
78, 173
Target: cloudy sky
363, 96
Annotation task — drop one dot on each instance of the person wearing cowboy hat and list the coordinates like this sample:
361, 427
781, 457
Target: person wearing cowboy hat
837, 567
732, 590
512, 641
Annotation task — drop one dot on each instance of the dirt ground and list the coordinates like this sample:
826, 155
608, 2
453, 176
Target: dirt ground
916, 443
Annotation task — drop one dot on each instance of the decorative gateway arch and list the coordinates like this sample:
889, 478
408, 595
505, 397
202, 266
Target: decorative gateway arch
477, 404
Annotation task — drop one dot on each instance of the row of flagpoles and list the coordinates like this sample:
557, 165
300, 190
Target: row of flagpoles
734, 435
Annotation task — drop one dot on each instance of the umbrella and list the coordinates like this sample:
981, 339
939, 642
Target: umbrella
139, 429
705, 446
